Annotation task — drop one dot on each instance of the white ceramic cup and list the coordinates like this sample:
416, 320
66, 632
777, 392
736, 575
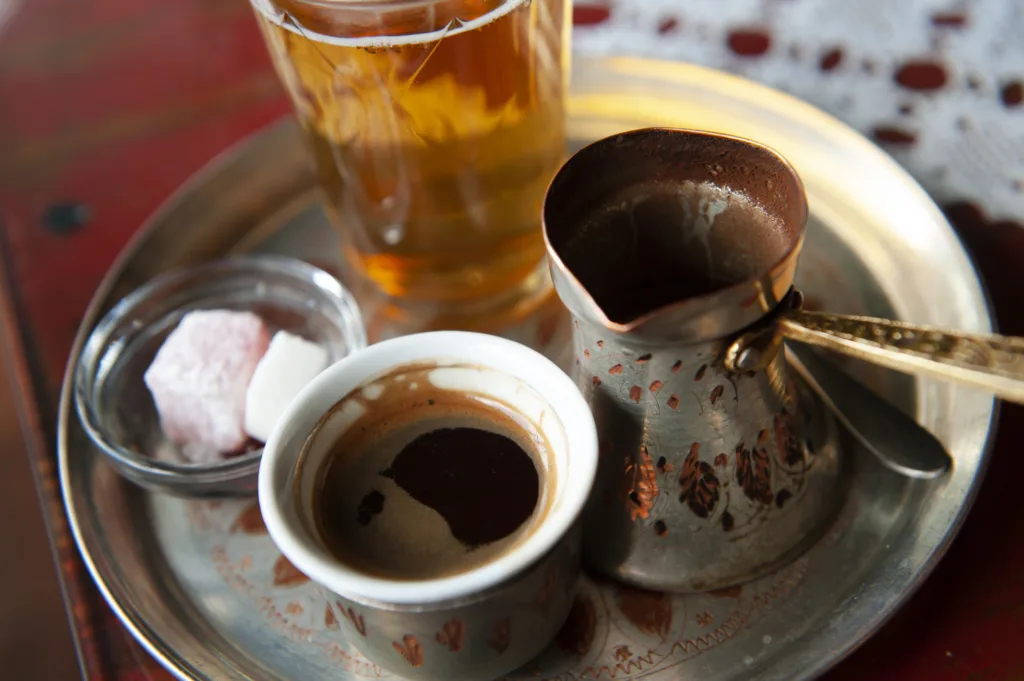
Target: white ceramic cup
486, 621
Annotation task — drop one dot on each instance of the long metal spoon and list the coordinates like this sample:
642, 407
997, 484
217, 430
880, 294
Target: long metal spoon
897, 440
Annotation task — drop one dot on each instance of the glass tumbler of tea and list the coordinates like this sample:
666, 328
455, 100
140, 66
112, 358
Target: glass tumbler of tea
435, 127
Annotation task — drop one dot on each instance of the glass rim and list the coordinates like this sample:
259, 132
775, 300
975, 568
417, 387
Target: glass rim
375, 4
274, 14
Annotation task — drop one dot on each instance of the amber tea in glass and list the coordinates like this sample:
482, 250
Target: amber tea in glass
435, 126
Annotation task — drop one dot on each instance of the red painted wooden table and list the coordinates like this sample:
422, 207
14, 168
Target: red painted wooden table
107, 106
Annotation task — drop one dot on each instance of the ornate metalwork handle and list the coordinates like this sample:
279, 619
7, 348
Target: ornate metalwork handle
993, 363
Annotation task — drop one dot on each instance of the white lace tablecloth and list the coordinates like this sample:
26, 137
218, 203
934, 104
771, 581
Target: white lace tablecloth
939, 84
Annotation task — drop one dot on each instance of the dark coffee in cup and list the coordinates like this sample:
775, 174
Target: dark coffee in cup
428, 481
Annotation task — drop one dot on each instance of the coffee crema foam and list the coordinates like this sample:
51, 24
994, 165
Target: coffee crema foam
425, 479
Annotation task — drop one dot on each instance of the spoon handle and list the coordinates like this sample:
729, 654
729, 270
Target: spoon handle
897, 440
990, 362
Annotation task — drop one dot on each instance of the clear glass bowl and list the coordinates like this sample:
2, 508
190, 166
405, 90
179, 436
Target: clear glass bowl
114, 403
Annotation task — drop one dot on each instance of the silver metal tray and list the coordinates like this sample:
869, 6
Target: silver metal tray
204, 590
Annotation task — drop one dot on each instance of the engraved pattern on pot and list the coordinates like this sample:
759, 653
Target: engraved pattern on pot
750, 461
667, 245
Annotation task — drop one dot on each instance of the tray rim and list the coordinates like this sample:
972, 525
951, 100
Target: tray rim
683, 72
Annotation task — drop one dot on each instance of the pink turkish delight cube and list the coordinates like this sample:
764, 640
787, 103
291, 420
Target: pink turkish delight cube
199, 377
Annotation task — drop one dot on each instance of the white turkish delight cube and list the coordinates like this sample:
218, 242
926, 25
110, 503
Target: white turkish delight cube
290, 363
